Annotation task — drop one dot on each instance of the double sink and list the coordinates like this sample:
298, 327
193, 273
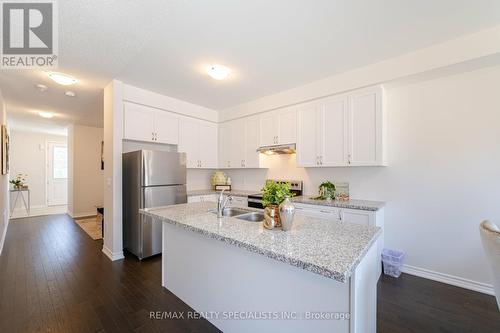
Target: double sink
241, 214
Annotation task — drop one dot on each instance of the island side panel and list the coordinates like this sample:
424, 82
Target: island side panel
210, 275
364, 293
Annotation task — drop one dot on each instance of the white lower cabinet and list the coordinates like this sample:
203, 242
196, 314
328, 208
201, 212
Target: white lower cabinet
358, 216
323, 212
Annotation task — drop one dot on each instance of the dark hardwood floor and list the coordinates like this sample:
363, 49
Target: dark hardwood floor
54, 278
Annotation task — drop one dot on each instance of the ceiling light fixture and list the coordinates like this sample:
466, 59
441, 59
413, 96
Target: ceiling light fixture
62, 79
41, 87
46, 115
70, 93
218, 72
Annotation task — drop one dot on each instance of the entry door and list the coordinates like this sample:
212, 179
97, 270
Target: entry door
57, 174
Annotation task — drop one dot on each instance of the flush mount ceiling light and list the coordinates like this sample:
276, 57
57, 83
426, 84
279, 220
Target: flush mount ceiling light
41, 87
218, 72
70, 93
46, 115
62, 79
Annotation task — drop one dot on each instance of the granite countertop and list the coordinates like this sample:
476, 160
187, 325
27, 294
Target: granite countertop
236, 193
350, 204
328, 248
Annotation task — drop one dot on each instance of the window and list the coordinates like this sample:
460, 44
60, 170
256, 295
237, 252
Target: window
60, 158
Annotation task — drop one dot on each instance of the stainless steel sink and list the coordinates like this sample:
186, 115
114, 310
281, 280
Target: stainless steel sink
252, 217
231, 211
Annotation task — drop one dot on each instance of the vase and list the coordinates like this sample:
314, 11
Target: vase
271, 212
286, 212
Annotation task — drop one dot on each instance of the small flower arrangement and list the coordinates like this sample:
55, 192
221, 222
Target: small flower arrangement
19, 181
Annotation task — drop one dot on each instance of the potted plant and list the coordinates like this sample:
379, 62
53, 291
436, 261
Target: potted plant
273, 194
327, 190
19, 181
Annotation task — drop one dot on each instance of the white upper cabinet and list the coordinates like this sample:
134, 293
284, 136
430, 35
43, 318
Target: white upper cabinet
252, 135
198, 139
166, 127
278, 127
143, 123
308, 135
208, 145
138, 122
322, 133
238, 143
366, 128
268, 129
333, 139
345, 130
287, 120
225, 145
189, 141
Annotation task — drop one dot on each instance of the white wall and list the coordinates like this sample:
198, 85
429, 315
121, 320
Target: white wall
28, 156
443, 176
4, 186
113, 134
85, 183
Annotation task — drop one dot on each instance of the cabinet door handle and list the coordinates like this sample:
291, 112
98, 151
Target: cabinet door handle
349, 159
152, 136
321, 160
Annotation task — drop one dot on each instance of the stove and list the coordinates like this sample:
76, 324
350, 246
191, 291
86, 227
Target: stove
296, 187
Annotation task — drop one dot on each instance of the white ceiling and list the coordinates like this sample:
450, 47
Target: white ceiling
271, 46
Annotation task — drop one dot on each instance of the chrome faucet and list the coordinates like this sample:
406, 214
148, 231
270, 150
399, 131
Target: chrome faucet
221, 203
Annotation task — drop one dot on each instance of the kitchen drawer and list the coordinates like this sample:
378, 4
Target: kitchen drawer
202, 198
357, 216
329, 213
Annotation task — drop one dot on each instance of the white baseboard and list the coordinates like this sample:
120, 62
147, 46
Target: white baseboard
39, 210
112, 256
449, 279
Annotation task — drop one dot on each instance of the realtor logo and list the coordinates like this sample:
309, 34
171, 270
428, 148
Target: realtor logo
29, 34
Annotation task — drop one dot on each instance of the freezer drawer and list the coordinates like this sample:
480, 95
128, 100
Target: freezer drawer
157, 196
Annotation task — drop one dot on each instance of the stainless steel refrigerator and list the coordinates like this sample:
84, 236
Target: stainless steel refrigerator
150, 179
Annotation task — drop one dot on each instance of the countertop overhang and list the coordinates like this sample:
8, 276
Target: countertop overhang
328, 248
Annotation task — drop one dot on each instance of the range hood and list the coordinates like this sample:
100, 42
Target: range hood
278, 149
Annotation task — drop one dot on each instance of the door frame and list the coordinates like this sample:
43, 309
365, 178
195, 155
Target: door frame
47, 170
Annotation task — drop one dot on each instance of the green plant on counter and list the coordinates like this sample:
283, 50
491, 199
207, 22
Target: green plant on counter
274, 193
326, 191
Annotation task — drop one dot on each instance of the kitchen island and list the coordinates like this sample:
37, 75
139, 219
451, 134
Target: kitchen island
320, 277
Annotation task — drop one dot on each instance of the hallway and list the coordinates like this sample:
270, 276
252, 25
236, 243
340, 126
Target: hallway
54, 278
